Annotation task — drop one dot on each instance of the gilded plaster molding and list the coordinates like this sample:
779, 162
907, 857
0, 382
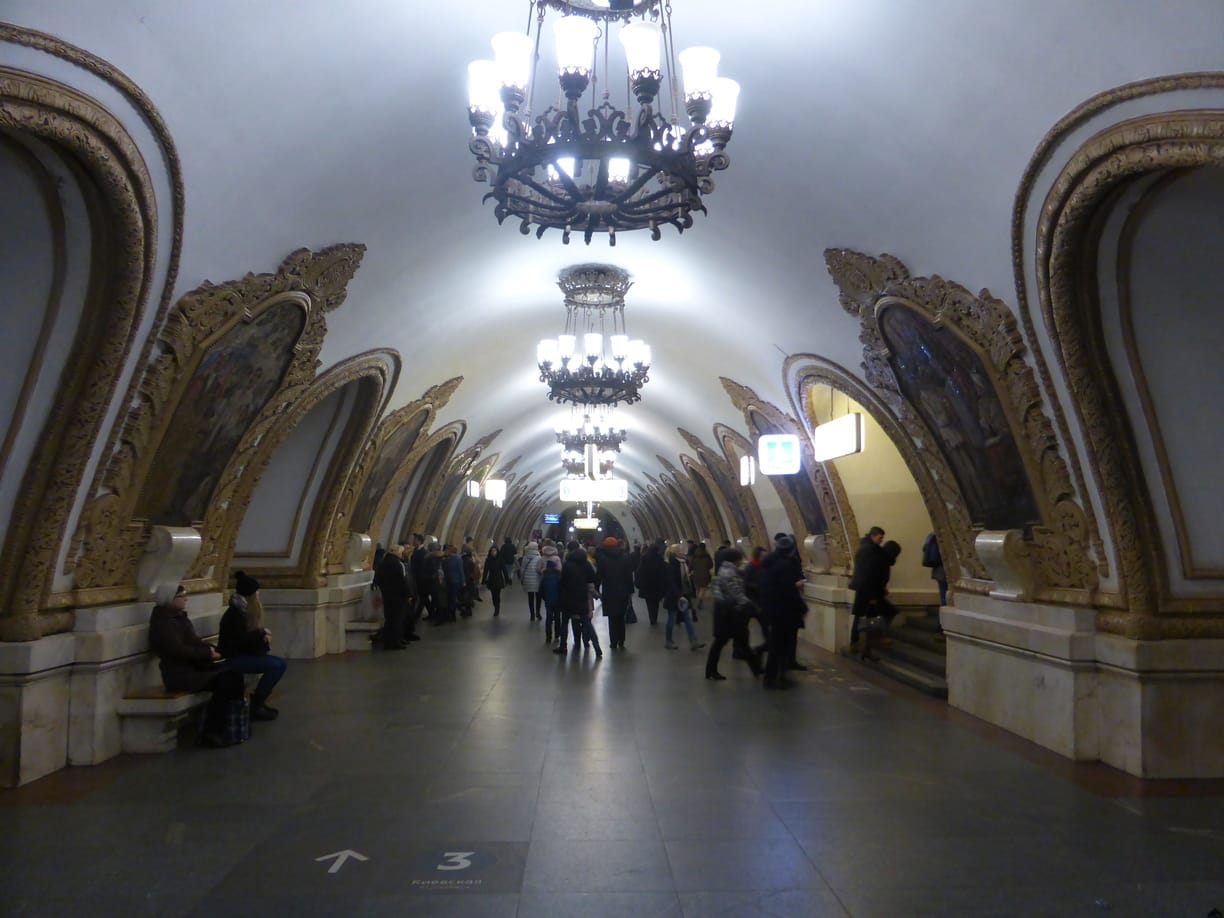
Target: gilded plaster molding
723, 476
734, 445
433, 400
830, 496
705, 485
433, 448
936, 485
380, 370
1065, 268
707, 517
125, 202
448, 489
1054, 139
109, 535
469, 507
1061, 545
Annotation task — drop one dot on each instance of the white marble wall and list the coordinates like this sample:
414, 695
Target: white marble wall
58, 694
1152, 709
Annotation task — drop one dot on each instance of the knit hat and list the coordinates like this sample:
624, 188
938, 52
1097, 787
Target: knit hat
785, 544
533, 546
610, 542
166, 592
247, 586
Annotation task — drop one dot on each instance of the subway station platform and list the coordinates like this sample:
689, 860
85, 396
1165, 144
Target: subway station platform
478, 774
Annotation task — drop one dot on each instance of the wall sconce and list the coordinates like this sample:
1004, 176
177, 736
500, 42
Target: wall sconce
473, 489
747, 470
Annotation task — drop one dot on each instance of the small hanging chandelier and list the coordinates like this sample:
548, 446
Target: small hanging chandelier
610, 368
605, 438
610, 171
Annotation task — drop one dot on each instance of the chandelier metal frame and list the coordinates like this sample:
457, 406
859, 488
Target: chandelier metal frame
594, 315
609, 171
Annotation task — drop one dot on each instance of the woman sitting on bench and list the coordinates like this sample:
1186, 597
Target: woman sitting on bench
245, 643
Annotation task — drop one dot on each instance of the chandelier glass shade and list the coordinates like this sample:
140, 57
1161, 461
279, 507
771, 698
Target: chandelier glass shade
594, 363
614, 169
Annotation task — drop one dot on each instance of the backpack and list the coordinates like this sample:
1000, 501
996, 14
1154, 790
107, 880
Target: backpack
930, 552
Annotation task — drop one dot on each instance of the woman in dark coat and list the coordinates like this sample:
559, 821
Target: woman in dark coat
245, 644
576, 596
494, 578
614, 580
188, 663
652, 579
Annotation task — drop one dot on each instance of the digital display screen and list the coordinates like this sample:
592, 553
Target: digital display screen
552, 519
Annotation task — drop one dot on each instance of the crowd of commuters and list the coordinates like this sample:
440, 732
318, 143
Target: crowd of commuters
564, 583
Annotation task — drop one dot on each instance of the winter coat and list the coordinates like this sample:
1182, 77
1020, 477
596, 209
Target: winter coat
506, 553
577, 581
679, 583
185, 659
730, 598
701, 567
870, 577
391, 578
529, 574
494, 574
236, 637
550, 561
614, 578
782, 602
652, 575
452, 572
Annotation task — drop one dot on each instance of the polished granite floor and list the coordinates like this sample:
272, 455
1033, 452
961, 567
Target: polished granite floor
477, 774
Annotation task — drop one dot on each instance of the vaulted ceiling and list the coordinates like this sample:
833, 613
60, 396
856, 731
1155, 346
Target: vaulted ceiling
875, 125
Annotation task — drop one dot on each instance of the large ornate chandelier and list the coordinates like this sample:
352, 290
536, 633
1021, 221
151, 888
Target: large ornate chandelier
609, 368
614, 170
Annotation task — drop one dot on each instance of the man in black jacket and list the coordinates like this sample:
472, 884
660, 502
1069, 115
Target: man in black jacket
576, 596
418, 569
614, 580
869, 581
392, 581
784, 606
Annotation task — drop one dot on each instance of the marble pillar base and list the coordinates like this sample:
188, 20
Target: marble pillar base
309, 623
1151, 709
59, 694
830, 601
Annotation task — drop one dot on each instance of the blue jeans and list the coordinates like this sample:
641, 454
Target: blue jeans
268, 667
687, 618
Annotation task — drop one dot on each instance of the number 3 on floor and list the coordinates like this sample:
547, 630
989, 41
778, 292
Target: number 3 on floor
456, 860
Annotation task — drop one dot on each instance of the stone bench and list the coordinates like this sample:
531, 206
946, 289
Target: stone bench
150, 719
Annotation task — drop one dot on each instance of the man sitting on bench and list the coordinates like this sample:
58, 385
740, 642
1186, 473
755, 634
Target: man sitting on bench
188, 664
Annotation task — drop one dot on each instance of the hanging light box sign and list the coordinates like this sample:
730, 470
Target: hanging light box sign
778, 454
840, 437
495, 489
601, 490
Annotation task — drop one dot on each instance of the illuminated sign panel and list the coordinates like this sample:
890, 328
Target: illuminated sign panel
840, 437
778, 454
600, 490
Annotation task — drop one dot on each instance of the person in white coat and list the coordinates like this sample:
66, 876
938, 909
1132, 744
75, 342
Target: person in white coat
529, 575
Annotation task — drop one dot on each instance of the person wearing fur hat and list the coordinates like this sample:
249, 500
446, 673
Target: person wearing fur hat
245, 643
529, 577
188, 663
